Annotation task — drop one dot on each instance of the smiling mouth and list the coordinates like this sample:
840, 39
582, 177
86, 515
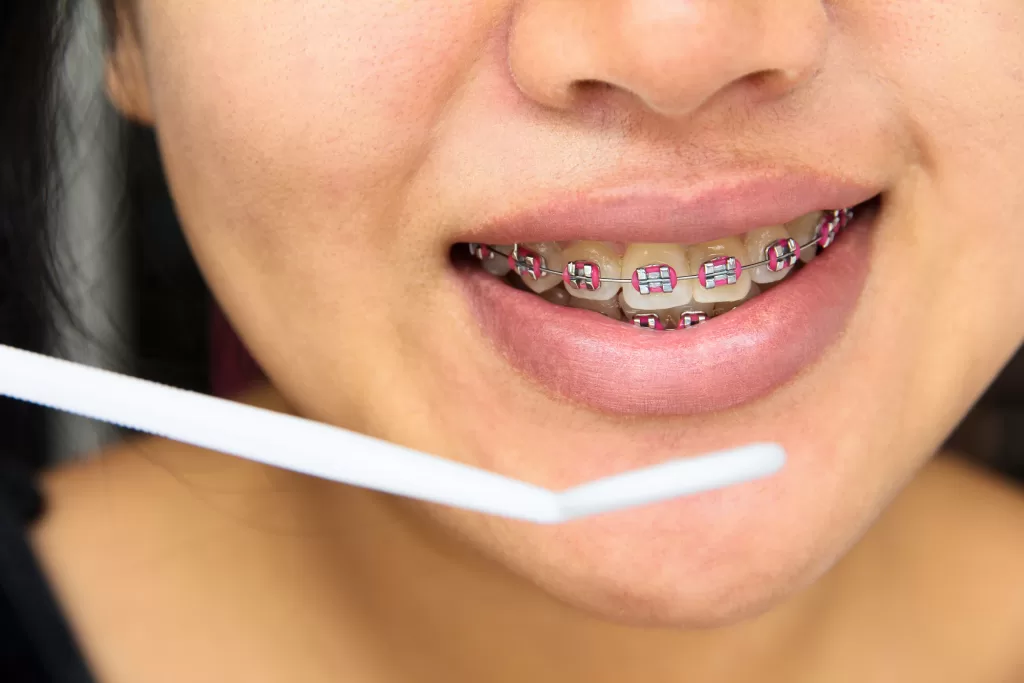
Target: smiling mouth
661, 286
755, 310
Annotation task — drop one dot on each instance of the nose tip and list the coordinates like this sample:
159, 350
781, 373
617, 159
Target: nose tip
673, 57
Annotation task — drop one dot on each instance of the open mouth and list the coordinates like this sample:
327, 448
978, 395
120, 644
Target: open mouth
664, 286
735, 317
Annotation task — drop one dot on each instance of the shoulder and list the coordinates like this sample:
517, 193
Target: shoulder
958, 531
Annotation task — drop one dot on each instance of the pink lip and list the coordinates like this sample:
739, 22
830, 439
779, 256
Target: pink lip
698, 213
730, 360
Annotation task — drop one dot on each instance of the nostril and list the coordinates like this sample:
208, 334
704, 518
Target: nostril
590, 84
770, 84
761, 79
590, 92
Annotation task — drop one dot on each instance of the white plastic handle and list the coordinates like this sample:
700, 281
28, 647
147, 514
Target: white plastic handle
341, 455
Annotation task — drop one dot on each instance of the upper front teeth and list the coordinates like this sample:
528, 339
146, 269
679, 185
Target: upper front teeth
666, 278
656, 278
653, 271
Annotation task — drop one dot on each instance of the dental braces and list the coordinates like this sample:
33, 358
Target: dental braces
661, 278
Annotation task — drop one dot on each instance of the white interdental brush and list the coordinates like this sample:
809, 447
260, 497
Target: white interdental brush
322, 450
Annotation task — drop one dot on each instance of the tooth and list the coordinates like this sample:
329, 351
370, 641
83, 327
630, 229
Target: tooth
608, 263
627, 310
730, 246
802, 230
551, 257
649, 321
755, 242
726, 306
671, 316
655, 260
691, 319
608, 308
498, 265
557, 295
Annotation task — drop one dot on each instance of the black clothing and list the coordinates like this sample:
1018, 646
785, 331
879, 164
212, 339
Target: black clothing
36, 643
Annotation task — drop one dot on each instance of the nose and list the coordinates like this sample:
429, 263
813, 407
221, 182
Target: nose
674, 56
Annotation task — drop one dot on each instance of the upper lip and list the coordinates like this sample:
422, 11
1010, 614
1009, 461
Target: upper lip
649, 212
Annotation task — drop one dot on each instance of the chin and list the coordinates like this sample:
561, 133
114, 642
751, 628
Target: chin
705, 561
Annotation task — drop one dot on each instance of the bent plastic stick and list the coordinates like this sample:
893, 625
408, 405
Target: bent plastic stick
322, 450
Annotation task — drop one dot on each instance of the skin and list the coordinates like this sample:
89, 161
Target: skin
306, 144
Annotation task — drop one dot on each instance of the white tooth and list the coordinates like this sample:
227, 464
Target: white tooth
608, 262
609, 308
802, 230
557, 295
498, 265
641, 255
552, 256
755, 243
627, 310
726, 306
699, 253
670, 314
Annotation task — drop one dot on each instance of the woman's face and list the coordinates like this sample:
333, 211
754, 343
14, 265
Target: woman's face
325, 158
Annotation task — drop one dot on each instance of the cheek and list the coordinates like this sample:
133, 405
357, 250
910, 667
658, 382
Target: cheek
279, 112
957, 70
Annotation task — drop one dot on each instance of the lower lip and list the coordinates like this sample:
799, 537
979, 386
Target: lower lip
730, 360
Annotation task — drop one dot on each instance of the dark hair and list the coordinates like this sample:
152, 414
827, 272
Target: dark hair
32, 35
171, 299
